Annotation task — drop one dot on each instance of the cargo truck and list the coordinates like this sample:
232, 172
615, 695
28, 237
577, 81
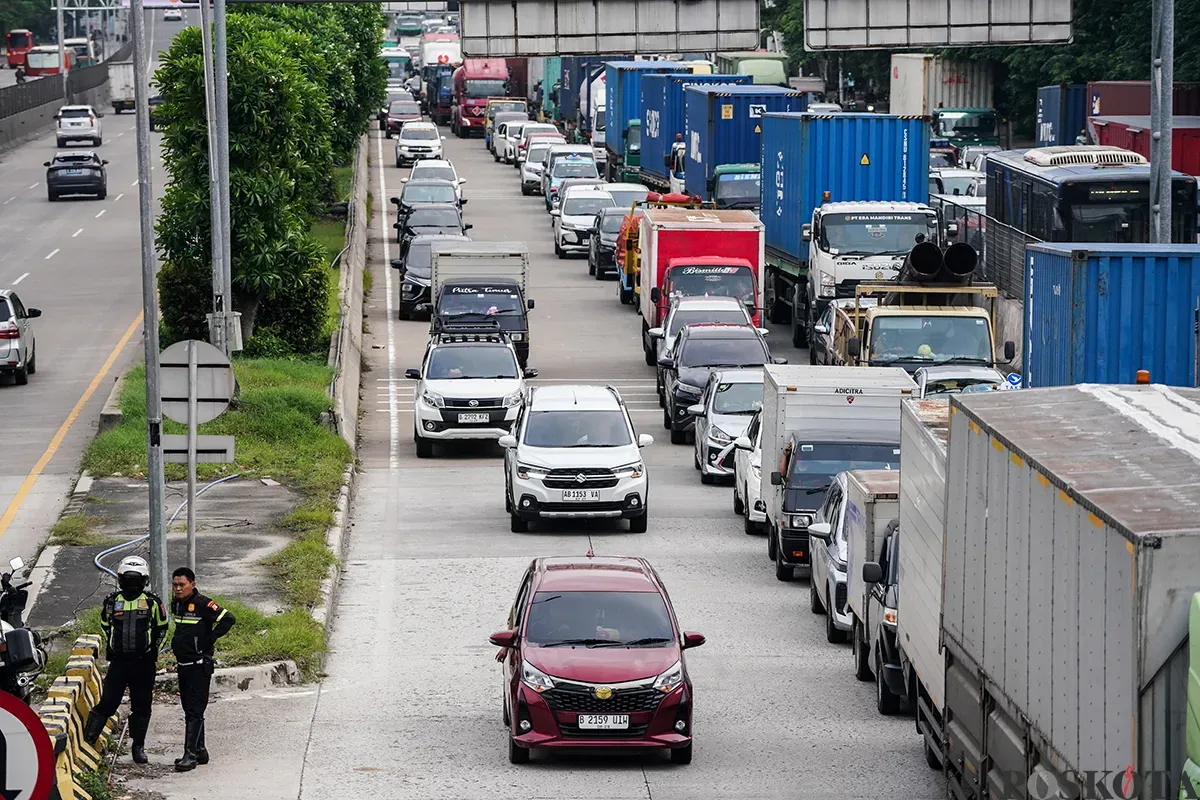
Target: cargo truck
551, 76
843, 200
766, 69
957, 96
664, 120
817, 422
724, 126
1135, 132
121, 85
475, 82
686, 252
1061, 115
622, 103
1072, 559
476, 282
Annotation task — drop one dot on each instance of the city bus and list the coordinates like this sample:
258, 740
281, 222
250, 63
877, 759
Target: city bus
44, 60
19, 42
85, 51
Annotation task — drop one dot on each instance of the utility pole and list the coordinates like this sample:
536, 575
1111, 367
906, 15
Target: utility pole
221, 69
141, 72
218, 328
62, 69
1162, 98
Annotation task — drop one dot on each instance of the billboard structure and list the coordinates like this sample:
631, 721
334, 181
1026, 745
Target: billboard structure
497, 28
891, 24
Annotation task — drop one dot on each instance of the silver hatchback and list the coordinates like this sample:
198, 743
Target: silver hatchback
17, 351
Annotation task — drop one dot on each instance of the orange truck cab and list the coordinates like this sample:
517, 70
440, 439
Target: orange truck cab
475, 82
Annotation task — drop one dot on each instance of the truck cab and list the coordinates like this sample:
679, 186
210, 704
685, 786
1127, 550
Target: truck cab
632, 159
475, 83
737, 186
708, 277
967, 126
478, 300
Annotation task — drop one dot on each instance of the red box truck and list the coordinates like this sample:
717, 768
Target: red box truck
474, 82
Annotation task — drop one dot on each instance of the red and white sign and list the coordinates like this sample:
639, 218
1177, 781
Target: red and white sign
26, 752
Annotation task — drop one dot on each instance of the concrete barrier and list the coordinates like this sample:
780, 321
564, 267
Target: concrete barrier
345, 351
64, 713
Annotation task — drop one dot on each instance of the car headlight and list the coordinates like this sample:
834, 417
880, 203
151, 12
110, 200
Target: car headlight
827, 285
512, 399
890, 615
517, 337
801, 520
719, 436
687, 389
404, 147
535, 679
433, 399
634, 470
527, 471
670, 680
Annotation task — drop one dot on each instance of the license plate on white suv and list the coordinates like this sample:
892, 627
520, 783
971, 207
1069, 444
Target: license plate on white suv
603, 722
467, 418
581, 495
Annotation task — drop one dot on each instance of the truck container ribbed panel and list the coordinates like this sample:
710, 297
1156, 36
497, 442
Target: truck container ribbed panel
1119, 98
623, 96
663, 114
1061, 114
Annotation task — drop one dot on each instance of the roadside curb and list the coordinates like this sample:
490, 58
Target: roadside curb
254, 677
111, 415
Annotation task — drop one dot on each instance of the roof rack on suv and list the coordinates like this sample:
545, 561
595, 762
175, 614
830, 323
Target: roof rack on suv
489, 331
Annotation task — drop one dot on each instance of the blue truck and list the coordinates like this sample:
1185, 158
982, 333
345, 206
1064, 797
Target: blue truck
623, 99
724, 126
663, 118
1061, 114
843, 198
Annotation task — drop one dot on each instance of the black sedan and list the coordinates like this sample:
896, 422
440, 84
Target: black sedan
423, 191
603, 244
76, 172
416, 267
431, 220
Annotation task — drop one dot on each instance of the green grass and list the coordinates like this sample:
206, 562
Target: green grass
331, 233
343, 177
76, 530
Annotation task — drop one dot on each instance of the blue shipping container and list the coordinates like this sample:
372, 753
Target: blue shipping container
1061, 114
574, 71
623, 96
724, 126
1098, 313
854, 157
663, 114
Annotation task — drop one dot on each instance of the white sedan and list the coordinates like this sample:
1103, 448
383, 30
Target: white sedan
747, 477
438, 169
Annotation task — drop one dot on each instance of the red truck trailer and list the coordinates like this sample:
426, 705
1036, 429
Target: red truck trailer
691, 251
1134, 132
474, 82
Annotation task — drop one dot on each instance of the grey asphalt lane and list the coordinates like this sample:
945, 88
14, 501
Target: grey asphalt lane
78, 260
411, 706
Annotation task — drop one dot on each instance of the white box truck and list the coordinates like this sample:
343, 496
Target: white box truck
481, 284
1072, 554
958, 95
121, 85
872, 506
816, 422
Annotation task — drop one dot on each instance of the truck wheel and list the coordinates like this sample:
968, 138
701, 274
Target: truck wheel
887, 703
778, 310
862, 654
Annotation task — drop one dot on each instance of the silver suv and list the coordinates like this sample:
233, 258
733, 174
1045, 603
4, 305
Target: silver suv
78, 123
17, 353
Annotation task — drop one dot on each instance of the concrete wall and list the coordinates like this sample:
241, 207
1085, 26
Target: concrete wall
345, 351
26, 125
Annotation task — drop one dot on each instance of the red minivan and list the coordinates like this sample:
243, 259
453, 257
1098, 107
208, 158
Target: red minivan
593, 658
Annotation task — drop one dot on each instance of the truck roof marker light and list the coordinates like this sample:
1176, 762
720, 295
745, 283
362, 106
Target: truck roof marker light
825, 197
1143, 376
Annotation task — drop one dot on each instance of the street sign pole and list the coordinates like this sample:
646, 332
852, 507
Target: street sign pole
219, 330
191, 457
1162, 92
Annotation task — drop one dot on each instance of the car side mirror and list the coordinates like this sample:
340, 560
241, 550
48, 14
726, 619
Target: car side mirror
462, 202
655, 333
504, 639
33, 313
779, 361
806, 232
667, 363
397, 263
743, 443
854, 347
404, 180
396, 201
820, 328
461, 181
872, 572
952, 229
507, 441
655, 295
531, 373
529, 304
820, 530
1010, 350
691, 640
763, 332
645, 440
468, 226
555, 213
104, 161
45, 163
696, 410
776, 479
412, 374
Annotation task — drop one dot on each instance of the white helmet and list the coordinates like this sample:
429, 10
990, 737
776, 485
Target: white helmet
136, 565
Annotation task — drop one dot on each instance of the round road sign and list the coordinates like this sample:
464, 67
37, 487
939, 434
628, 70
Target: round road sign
26, 752
214, 382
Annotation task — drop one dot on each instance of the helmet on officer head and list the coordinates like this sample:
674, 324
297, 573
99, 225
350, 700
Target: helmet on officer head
133, 575
134, 564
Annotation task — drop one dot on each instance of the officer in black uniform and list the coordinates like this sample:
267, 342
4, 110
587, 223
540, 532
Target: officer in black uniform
134, 624
199, 622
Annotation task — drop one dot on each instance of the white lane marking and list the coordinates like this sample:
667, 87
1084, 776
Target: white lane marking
393, 407
133, 184
9, 200
34, 186
122, 194
101, 214
122, 133
76, 233
131, 127
18, 280
52, 254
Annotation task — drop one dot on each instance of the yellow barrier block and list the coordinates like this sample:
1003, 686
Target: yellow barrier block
64, 778
87, 645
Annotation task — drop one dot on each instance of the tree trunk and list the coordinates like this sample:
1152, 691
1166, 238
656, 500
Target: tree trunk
247, 304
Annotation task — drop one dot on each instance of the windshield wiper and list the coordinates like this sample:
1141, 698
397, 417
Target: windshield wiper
964, 360
577, 642
569, 446
816, 489
648, 640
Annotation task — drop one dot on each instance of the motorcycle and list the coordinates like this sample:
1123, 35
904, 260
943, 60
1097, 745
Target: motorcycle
22, 657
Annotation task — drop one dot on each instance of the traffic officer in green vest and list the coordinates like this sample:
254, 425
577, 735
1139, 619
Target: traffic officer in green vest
199, 622
134, 624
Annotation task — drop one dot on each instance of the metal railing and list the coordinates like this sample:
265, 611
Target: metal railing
1001, 247
40, 91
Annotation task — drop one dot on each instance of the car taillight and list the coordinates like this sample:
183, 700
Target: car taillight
9, 330
91, 120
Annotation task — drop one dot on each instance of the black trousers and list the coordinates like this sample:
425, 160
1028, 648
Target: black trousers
194, 683
138, 678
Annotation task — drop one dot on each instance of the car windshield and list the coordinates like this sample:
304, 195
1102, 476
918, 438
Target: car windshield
702, 281
738, 398
433, 218
599, 123
419, 134
404, 107
428, 193
586, 206
74, 113
941, 160
960, 385
478, 301
743, 351
433, 173
871, 234
537, 155
611, 223
463, 362
740, 189
574, 168
681, 319
816, 464
513, 130
634, 139
577, 429
964, 123
933, 339
599, 619
627, 197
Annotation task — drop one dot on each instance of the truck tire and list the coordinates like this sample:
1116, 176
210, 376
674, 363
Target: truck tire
778, 310
931, 758
770, 540
862, 654
799, 335
887, 703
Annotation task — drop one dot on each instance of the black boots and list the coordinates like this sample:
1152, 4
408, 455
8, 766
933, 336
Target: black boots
191, 747
94, 727
202, 751
139, 754
137, 735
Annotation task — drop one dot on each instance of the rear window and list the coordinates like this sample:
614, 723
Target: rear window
75, 113
404, 107
5, 311
73, 159
419, 134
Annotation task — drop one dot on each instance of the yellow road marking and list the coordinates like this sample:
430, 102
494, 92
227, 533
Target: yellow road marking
27, 485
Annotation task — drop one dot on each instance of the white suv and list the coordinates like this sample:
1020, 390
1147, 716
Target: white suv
17, 349
573, 220
418, 141
77, 123
470, 387
573, 454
